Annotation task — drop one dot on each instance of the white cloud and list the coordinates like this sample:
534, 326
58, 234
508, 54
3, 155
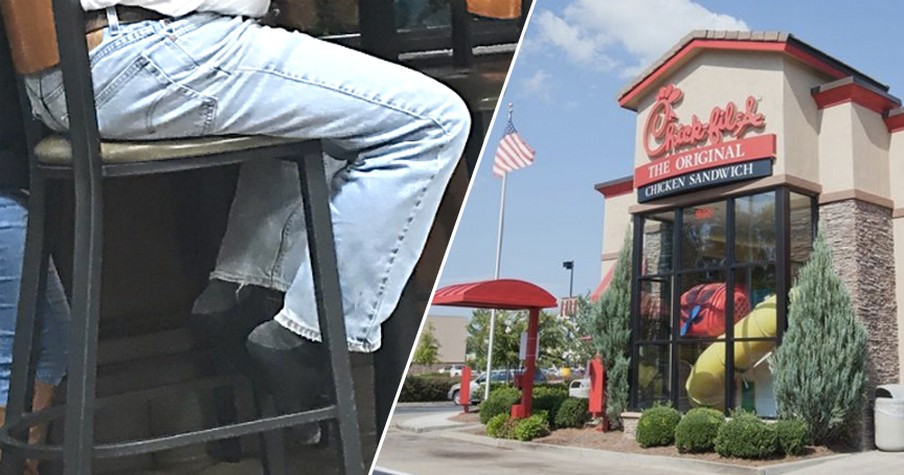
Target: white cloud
537, 83
590, 32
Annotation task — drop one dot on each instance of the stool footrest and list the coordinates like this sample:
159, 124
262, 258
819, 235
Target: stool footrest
121, 449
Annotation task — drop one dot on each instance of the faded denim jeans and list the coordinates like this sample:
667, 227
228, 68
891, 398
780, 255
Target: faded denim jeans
54, 332
399, 132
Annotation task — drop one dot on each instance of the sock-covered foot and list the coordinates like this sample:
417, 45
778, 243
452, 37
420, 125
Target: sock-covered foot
291, 369
222, 317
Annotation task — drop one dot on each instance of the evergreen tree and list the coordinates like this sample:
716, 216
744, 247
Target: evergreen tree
819, 369
608, 321
427, 351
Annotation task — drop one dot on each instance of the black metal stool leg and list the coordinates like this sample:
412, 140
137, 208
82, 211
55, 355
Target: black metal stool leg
34, 279
80, 389
273, 443
318, 223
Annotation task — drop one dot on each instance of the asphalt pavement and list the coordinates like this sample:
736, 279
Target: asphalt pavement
421, 440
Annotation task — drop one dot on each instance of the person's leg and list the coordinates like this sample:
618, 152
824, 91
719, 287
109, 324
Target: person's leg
401, 131
52, 346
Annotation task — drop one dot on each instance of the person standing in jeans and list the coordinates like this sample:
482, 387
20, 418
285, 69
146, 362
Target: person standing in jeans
53, 334
207, 68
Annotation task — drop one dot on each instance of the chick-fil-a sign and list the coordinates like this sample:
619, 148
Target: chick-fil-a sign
668, 135
678, 149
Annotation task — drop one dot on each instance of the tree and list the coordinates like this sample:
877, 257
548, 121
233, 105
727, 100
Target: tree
819, 369
427, 351
556, 339
608, 321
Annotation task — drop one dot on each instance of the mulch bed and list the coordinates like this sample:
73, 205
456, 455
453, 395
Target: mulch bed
469, 418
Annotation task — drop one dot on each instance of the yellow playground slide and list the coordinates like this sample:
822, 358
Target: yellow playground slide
706, 382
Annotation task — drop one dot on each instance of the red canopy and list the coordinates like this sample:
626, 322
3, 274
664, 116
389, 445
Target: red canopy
503, 294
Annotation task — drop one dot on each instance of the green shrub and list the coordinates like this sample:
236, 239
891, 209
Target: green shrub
821, 380
656, 426
698, 429
499, 402
793, 435
549, 400
572, 413
426, 388
495, 424
746, 436
507, 430
532, 427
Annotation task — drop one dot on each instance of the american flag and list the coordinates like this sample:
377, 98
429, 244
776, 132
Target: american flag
513, 152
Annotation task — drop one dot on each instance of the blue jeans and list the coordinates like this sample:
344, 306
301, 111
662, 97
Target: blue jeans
54, 331
398, 132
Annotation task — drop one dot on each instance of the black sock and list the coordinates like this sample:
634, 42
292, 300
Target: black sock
292, 366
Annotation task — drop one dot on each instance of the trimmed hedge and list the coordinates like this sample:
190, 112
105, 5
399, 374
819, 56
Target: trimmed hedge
573, 413
500, 401
793, 436
549, 399
656, 426
426, 388
532, 427
698, 429
746, 436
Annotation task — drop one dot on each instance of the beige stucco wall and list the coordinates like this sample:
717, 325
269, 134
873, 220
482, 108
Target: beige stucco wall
616, 223
853, 151
896, 183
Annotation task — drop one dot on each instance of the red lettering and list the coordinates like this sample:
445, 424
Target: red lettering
664, 134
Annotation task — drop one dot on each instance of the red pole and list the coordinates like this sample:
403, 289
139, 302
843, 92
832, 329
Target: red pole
530, 361
464, 391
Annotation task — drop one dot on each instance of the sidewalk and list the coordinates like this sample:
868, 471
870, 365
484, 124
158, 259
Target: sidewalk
866, 463
433, 422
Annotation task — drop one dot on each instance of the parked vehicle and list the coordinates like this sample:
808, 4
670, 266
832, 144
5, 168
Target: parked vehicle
453, 370
579, 388
505, 376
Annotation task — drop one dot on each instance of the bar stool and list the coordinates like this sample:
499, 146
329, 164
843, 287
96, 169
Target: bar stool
80, 156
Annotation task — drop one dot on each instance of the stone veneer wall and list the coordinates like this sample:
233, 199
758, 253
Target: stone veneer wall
862, 241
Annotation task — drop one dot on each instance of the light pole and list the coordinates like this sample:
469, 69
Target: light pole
570, 266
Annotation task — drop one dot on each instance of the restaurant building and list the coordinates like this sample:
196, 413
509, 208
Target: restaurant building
744, 141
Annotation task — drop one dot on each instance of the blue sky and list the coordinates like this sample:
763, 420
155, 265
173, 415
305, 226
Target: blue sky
576, 56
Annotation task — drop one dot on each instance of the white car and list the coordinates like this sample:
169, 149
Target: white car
579, 388
453, 370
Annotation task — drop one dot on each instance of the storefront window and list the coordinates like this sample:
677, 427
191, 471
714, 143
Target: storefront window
716, 299
703, 236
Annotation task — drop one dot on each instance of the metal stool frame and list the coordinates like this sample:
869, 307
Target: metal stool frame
87, 171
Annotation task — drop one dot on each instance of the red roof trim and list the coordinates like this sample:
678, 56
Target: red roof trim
618, 187
693, 47
895, 120
604, 284
856, 93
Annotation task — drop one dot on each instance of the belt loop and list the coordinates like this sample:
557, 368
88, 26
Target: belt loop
112, 20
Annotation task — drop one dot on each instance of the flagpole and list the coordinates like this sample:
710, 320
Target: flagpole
496, 275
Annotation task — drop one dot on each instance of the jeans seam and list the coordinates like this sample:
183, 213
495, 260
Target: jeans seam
399, 241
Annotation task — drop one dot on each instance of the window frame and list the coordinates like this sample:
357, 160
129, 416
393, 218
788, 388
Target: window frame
783, 279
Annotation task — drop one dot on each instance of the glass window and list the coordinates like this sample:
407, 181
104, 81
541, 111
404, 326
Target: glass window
755, 228
653, 373
658, 236
716, 291
701, 375
801, 229
703, 236
703, 305
655, 310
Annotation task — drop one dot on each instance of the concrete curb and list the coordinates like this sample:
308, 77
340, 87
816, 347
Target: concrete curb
407, 427
641, 460
450, 404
